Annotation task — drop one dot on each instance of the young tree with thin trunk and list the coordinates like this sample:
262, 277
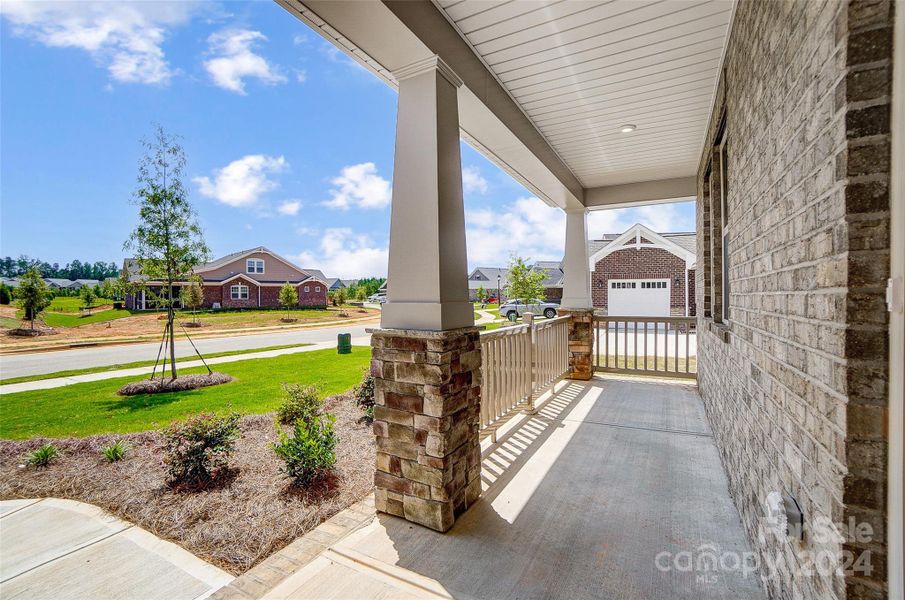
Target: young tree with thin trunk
289, 297
88, 297
193, 296
524, 283
33, 294
167, 243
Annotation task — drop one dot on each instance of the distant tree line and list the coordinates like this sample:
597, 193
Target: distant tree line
15, 267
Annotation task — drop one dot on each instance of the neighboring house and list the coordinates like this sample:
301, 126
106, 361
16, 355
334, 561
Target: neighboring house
643, 273
57, 283
486, 277
335, 283
10, 282
247, 279
553, 274
80, 283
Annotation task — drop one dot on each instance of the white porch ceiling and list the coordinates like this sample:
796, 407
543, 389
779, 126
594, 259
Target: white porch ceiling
579, 69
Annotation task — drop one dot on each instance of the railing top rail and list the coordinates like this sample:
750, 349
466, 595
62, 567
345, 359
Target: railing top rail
507, 330
679, 320
551, 322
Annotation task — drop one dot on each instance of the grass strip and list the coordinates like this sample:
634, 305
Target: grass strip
140, 363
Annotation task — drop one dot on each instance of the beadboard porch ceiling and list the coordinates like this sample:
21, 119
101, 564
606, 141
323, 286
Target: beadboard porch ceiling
548, 85
581, 69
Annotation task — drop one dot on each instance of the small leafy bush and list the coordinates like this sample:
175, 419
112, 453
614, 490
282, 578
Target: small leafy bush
310, 453
43, 456
364, 396
116, 451
197, 449
300, 403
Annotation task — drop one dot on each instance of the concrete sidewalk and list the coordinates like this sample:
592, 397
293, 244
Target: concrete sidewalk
46, 384
63, 549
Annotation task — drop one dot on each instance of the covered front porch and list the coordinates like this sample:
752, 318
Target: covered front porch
613, 489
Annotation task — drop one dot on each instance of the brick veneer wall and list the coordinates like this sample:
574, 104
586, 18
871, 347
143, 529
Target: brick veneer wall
795, 386
640, 263
312, 297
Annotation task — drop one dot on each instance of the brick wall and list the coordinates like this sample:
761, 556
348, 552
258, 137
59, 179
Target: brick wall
312, 297
640, 263
228, 302
795, 383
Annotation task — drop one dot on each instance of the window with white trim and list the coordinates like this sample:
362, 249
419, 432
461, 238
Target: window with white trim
239, 292
254, 265
317, 288
307, 289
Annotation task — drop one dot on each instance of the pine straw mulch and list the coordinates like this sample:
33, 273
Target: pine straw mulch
235, 523
180, 384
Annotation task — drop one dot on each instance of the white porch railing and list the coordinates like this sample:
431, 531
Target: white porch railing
517, 363
663, 346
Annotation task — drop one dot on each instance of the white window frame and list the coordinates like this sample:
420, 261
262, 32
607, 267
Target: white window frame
252, 265
307, 289
238, 291
317, 288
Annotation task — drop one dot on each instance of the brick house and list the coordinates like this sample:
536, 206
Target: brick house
246, 279
643, 273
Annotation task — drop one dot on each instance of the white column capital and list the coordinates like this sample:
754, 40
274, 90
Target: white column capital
426, 65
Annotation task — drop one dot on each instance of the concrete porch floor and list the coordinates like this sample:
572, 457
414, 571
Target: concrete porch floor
579, 500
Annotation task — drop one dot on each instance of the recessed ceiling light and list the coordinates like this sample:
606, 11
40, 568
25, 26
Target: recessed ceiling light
627, 128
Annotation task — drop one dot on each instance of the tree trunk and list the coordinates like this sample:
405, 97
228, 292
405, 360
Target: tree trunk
171, 318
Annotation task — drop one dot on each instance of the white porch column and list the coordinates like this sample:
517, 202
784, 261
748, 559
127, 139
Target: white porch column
576, 288
428, 269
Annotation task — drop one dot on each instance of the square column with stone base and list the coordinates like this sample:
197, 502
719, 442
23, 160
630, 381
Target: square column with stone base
581, 343
428, 395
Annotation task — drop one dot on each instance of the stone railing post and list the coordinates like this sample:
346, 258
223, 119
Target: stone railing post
428, 395
581, 343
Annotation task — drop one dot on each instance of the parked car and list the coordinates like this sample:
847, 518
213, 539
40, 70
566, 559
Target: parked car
514, 309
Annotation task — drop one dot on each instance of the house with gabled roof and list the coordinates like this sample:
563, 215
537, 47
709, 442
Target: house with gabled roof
246, 279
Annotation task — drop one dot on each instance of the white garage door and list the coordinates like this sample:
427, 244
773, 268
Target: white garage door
638, 298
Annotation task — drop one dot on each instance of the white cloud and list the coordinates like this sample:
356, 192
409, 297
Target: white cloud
346, 254
531, 229
124, 37
299, 39
289, 207
361, 186
301, 75
234, 60
243, 181
473, 181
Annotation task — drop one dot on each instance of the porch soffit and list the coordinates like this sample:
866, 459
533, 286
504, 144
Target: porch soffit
547, 85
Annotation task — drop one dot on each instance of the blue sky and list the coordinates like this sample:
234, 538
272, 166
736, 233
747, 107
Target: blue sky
289, 142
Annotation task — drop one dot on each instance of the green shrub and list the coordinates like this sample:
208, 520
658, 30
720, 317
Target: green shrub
116, 451
197, 449
43, 456
364, 396
300, 402
5, 294
310, 453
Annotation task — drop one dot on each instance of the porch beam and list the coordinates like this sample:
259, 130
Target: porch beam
642, 193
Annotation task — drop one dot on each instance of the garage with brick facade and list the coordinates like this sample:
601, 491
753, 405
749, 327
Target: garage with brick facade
645, 261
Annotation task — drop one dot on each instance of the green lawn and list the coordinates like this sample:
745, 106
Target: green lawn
72, 304
92, 408
141, 363
53, 319
9, 323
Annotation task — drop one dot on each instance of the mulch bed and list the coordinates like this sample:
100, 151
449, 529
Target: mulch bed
28, 332
235, 523
180, 384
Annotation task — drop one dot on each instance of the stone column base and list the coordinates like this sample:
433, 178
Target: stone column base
428, 395
581, 343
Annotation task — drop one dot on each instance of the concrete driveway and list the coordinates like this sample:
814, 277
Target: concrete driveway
63, 549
